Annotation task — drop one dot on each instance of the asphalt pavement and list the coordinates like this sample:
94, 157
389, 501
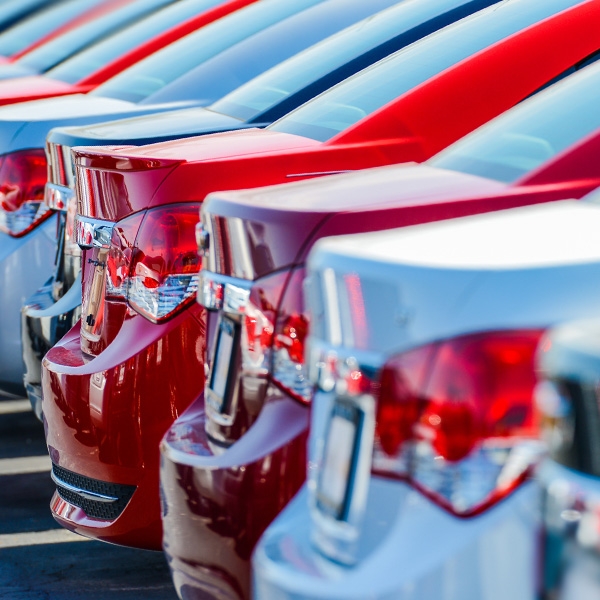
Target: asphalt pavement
39, 560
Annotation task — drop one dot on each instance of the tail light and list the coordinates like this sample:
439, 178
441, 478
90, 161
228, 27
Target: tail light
273, 333
164, 268
157, 274
456, 418
22, 179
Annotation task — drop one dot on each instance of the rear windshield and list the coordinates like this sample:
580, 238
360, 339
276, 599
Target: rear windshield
155, 72
274, 86
357, 97
55, 51
233, 67
104, 52
530, 134
41, 23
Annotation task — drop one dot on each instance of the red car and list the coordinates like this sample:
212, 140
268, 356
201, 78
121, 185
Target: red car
116, 382
93, 66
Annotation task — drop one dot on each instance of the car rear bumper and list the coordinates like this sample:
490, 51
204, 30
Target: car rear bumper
44, 322
25, 263
105, 416
218, 501
410, 549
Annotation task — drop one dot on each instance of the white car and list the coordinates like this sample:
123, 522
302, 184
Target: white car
568, 407
423, 435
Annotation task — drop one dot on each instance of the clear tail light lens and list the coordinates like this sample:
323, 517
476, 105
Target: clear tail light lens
23, 177
274, 331
158, 273
71, 248
457, 419
120, 254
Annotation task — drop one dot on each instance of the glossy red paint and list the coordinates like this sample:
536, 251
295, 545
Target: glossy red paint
36, 87
99, 420
293, 217
212, 523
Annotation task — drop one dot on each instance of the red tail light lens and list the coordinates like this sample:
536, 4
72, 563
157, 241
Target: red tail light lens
401, 398
23, 176
274, 332
158, 272
289, 370
164, 269
456, 417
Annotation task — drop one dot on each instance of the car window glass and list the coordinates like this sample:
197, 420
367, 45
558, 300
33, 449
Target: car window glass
12, 11
55, 51
28, 31
153, 73
360, 95
96, 56
241, 62
298, 72
531, 134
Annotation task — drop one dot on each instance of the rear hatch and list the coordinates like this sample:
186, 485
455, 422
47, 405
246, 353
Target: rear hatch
283, 221
526, 267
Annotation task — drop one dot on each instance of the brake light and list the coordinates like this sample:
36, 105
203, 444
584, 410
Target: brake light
164, 268
152, 261
23, 176
456, 418
274, 332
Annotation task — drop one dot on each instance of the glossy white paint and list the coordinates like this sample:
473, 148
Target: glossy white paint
418, 552
25, 264
521, 268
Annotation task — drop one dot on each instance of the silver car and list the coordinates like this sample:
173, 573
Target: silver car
423, 434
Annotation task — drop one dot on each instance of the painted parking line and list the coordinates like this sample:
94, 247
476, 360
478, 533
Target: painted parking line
9, 407
39, 538
24, 465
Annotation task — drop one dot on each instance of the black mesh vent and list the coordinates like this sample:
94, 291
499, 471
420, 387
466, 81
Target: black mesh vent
93, 508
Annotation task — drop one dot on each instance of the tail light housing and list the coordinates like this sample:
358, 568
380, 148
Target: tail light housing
151, 259
23, 177
163, 276
274, 329
456, 418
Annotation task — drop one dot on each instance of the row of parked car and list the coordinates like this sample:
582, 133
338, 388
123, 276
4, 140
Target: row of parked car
369, 367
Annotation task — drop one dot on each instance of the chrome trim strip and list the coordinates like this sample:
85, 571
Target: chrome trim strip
202, 239
57, 197
92, 233
83, 493
221, 292
69, 165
